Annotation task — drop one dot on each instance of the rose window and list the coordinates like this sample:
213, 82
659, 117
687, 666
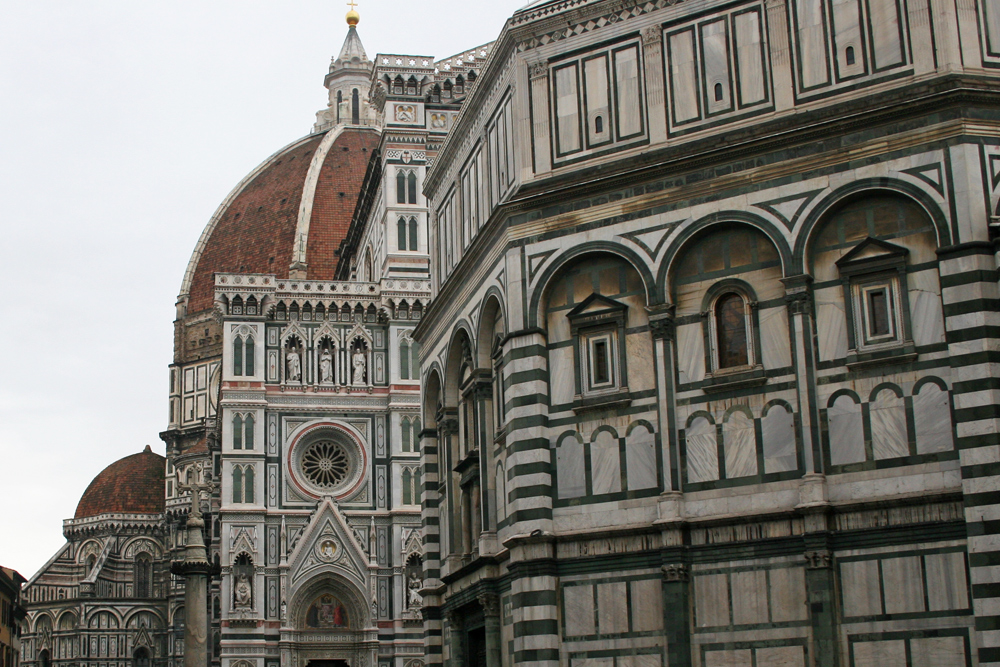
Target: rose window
326, 464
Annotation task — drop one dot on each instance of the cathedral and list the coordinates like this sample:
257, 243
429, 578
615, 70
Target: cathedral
655, 333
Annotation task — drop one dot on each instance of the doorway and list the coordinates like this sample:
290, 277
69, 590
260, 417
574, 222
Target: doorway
477, 647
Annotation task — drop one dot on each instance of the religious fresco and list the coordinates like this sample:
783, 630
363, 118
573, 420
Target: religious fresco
327, 612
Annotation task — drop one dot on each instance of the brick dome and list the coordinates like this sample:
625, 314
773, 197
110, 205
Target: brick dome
300, 200
132, 485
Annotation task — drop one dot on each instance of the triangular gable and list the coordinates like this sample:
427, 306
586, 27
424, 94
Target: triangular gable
872, 249
328, 544
596, 304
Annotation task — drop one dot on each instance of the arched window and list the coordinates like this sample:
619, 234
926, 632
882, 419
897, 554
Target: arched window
404, 428
237, 484
248, 356
732, 331
355, 107
416, 487
407, 490
718, 92
416, 434
248, 484
340, 100
401, 234
459, 85
599, 125
248, 425
849, 55
411, 86
414, 360
397, 86
404, 360
237, 432
237, 355
411, 187
413, 234
143, 576
400, 187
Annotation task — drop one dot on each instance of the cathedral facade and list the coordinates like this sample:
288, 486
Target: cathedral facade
709, 369
283, 527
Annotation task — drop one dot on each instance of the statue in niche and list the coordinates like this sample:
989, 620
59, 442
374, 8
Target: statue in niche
244, 592
294, 365
359, 362
326, 366
414, 600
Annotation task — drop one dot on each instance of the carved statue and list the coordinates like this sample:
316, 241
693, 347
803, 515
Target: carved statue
326, 366
414, 600
359, 367
244, 592
294, 365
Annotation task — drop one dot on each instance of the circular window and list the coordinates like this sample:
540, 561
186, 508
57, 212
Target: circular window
326, 464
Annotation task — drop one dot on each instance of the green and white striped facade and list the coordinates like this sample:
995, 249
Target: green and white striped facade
615, 474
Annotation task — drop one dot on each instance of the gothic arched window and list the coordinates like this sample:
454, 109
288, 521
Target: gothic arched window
732, 331
401, 234
404, 428
407, 488
411, 184
400, 187
413, 233
143, 576
355, 107
340, 100
243, 479
237, 432
237, 355
404, 360
248, 424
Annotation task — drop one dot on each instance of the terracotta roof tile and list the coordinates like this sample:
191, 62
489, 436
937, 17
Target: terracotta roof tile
132, 485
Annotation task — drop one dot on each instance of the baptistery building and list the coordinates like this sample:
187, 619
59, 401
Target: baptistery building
709, 372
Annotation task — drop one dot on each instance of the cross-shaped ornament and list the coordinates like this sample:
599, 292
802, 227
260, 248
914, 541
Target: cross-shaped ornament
352, 4
190, 482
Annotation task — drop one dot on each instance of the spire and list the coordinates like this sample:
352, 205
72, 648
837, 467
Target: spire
352, 53
348, 82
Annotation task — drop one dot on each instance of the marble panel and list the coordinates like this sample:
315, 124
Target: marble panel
847, 33
683, 75
847, 435
578, 610
938, 652
749, 61
690, 354
702, 452
612, 608
647, 605
888, 419
788, 594
715, 65
775, 349
606, 464
640, 458
711, 594
880, 654
926, 315
831, 323
932, 420
641, 362
740, 446
570, 468
778, 434
749, 597
593, 662
645, 660
559, 327
947, 586
562, 375
781, 656
860, 587
812, 49
884, 22
567, 104
904, 578
729, 658
629, 107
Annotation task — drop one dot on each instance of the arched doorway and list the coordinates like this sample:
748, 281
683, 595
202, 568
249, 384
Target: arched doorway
332, 619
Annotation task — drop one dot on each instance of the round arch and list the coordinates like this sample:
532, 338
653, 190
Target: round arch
431, 395
856, 190
307, 607
701, 226
493, 303
461, 334
575, 253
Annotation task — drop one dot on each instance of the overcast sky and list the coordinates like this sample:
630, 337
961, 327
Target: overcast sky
123, 125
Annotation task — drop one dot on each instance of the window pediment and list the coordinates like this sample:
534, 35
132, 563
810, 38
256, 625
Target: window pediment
872, 255
596, 310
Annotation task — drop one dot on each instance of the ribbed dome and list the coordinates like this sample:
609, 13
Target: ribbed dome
295, 208
132, 485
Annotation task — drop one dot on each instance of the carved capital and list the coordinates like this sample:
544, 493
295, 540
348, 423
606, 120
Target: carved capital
490, 603
818, 560
676, 572
538, 70
799, 303
652, 35
661, 321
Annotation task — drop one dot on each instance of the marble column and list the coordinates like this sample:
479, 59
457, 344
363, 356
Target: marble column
798, 297
455, 643
196, 569
491, 611
677, 613
821, 601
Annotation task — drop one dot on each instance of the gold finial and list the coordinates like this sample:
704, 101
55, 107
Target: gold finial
352, 16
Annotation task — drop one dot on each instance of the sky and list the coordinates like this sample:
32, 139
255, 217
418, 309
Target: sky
123, 125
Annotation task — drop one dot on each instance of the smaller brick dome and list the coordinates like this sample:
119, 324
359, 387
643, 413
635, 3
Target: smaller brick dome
132, 485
